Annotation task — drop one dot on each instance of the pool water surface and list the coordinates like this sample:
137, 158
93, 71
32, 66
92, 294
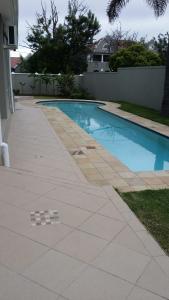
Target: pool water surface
138, 148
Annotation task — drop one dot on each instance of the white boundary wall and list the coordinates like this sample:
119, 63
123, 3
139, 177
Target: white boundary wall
139, 85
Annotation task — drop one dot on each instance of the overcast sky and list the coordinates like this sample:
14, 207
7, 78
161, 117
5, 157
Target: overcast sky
136, 17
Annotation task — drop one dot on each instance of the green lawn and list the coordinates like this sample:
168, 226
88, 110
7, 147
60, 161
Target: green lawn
152, 208
144, 112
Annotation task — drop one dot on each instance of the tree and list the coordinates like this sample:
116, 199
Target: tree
61, 48
134, 56
159, 6
80, 26
118, 39
161, 44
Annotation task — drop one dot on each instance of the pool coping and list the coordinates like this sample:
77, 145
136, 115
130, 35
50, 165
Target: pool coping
98, 166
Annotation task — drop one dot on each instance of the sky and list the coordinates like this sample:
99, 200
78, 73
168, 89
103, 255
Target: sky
137, 17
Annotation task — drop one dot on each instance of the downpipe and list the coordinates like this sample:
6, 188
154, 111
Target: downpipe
5, 154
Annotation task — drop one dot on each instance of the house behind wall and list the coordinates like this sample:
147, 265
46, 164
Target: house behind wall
8, 17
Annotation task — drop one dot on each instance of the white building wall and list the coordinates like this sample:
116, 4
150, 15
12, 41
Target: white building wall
8, 17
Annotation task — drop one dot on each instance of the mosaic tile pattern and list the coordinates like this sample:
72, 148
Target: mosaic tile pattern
44, 217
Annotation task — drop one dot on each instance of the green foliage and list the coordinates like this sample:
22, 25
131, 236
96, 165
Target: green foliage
66, 84
134, 56
79, 93
115, 6
61, 48
160, 45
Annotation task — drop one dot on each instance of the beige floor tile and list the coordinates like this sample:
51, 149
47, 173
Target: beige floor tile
155, 280
161, 174
145, 174
75, 202
125, 189
119, 203
127, 174
140, 294
151, 245
118, 182
18, 252
153, 180
102, 227
109, 210
159, 186
105, 170
55, 271
128, 238
7, 208
97, 176
68, 214
138, 188
90, 171
97, 285
79, 199
163, 261
122, 262
81, 245
165, 179
15, 287
27, 182
48, 235
100, 182
135, 181
110, 176
10, 215
134, 222
16, 196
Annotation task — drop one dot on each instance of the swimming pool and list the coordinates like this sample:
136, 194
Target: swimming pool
138, 148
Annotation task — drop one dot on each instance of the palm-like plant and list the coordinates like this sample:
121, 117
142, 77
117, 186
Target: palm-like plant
159, 7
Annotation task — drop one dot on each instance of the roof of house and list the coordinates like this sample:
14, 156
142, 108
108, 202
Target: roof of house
101, 46
15, 61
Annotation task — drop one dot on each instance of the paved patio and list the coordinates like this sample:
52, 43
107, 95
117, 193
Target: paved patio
97, 251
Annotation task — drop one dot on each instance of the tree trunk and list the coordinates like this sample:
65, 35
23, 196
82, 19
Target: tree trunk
165, 103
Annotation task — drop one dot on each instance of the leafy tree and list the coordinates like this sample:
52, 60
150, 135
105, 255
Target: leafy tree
159, 6
80, 26
161, 44
61, 48
134, 56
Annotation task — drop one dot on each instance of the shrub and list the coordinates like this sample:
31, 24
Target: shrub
66, 84
134, 56
79, 93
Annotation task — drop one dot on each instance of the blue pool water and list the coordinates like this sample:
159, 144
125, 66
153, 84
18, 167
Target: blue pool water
138, 148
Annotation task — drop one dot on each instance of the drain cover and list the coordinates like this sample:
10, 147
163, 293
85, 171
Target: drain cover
90, 147
44, 217
77, 152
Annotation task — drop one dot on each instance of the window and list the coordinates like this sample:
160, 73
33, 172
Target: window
106, 58
97, 57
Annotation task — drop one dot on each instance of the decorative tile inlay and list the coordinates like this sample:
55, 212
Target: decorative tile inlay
44, 217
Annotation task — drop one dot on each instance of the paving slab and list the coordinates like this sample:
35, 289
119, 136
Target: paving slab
98, 249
